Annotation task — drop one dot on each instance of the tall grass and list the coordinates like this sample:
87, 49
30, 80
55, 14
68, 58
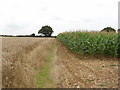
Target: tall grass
91, 43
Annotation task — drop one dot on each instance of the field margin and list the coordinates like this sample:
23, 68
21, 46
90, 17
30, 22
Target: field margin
0, 62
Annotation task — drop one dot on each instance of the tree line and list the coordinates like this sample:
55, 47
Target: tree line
46, 31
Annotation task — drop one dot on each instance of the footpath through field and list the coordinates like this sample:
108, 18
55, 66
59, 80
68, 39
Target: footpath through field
46, 63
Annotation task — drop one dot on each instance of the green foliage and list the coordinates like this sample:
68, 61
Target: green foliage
32, 35
46, 30
103, 84
108, 29
91, 43
7, 35
118, 51
89, 80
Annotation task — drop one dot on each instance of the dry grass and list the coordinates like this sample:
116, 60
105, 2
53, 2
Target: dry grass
22, 60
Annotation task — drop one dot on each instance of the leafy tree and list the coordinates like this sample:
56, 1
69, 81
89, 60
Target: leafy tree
118, 30
32, 35
108, 29
46, 30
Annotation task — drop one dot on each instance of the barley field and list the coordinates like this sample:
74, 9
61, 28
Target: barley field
22, 60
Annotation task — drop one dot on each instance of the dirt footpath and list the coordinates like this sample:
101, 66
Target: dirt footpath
74, 71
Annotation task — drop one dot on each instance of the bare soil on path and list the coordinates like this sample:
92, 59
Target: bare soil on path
23, 59
75, 71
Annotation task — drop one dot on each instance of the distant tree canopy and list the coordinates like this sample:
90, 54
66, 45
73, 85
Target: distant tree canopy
118, 30
46, 30
108, 29
32, 35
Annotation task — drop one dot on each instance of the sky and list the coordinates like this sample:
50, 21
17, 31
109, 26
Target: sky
21, 17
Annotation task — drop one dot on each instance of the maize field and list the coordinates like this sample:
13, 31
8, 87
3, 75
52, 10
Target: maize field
91, 43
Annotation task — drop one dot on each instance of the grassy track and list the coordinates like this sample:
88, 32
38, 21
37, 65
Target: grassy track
43, 78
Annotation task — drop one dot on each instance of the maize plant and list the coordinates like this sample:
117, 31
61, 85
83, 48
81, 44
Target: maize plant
91, 43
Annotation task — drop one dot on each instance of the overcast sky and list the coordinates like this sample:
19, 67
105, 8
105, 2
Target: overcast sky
28, 16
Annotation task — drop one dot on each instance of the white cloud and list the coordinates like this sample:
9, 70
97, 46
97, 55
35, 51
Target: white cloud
28, 16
